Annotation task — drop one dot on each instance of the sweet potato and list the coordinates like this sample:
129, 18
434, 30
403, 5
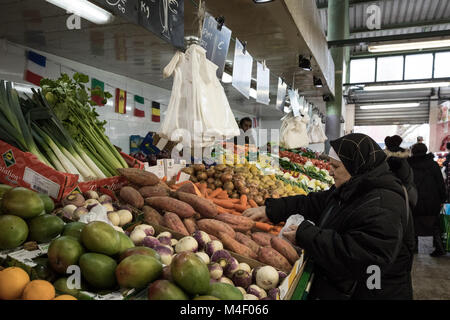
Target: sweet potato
262, 238
139, 177
214, 227
152, 216
188, 188
237, 222
285, 248
212, 237
153, 191
235, 246
247, 241
181, 208
203, 206
273, 258
190, 224
132, 197
173, 221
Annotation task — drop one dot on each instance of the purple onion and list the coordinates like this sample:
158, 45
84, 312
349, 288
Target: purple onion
165, 240
213, 246
215, 271
242, 278
257, 291
151, 242
202, 238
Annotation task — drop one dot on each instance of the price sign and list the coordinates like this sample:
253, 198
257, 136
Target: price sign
263, 84
216, 42
281, 95
242, 69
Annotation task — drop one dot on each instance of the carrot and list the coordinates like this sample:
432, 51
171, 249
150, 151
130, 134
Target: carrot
263, 226
274, 232
216, 192
164, 179
227, 204
253, 203
176, 186
244, 200
236, 213
223, 195
221, 209
236, 201
202, 189
248, 206
197, 191
239, 207
208, 191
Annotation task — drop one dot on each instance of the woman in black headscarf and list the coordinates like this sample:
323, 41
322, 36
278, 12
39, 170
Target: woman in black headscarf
358, 226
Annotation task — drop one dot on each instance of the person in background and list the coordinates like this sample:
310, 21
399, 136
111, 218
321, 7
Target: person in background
446, 165
431, 195
419, 139
393, 148
360, 222
245, 124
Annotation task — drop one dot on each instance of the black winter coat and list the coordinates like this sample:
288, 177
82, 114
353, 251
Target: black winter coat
430, 185
366, 226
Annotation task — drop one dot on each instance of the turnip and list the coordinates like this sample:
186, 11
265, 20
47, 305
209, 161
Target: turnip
267, 277
273, 293
226, 280
91, 194
245, 267
137, 236
149, 230
203, 256
227, 262
150, 242
173, 242
165, 240
165, 254
164, 234
114, 218
186, 244
80, 211
76, 199
90, 203
213, 246
242, 278
242, 290
108, 206
119, 229
125, 217
68, 211
281, 275
104, 198
249, 296
215, 271
257, 291
169, 247
202, 238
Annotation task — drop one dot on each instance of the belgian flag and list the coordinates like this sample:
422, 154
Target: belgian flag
156, 112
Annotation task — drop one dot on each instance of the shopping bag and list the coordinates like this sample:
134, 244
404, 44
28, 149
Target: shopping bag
445, 228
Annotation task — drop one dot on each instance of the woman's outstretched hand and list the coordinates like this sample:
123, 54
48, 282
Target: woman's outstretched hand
290, 233
256, 214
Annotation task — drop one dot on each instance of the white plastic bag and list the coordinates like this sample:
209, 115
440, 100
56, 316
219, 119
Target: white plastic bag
316, 133
97, 213
198, 111
293, 220
293, 132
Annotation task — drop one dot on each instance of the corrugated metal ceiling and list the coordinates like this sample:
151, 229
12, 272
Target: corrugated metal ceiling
397, 17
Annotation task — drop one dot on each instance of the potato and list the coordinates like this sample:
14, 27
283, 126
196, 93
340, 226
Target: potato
234, 196
210, 180
201, 176
220, 167
189, 170
226, 177
194, 179
199, 167
218, 183
217, 175
228, 186
210, 172
211, 186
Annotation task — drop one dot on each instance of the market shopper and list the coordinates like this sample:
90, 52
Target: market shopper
446, 165
360, 223
393, 148
431, 195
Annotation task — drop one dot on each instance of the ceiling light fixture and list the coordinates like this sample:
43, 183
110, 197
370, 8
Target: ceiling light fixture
227, 78
261, 1
304, 63
409, 46
317, 82
389, 106
407, 86
85, 9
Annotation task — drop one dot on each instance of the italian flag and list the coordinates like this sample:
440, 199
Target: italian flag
97, 84
156, 113
121, 101
139, 107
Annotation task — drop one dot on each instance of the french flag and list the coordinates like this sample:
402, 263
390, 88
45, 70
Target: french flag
35, 68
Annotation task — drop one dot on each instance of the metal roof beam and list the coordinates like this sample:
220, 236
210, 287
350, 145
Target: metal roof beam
351, 3
402, 26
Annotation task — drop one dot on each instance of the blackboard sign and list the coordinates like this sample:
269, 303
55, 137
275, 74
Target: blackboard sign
165, 18
216, 42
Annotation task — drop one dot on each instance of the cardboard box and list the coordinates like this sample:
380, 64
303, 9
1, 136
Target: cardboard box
23, 169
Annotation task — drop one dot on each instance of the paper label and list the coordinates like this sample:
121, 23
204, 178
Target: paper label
289, 280
110, 296
157, 170
40, 183
26, 257
182, 177
162, 143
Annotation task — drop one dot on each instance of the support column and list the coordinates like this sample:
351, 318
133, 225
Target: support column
338, 29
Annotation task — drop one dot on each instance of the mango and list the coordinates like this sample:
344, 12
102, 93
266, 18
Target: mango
165, 290
190, 273
13, 232
100, 237
64, 252
137, 271
98, 270
45, 228
22, 202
